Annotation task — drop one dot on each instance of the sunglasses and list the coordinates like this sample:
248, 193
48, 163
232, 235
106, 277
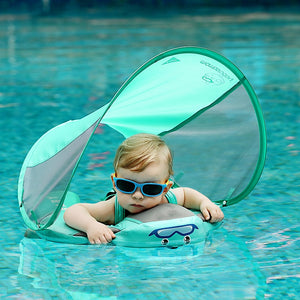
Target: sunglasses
148, 189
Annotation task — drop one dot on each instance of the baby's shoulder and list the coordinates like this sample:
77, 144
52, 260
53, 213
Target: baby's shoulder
178, 193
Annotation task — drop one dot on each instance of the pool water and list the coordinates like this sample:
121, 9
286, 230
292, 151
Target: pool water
57, 68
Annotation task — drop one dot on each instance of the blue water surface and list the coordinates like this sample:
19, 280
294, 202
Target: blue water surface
57, 68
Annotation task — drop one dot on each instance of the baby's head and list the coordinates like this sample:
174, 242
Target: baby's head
138, 151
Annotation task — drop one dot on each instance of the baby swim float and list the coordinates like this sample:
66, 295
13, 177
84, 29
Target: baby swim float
200, 104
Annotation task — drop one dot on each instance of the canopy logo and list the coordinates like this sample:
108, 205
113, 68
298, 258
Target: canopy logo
213, 78
171, 60
222, 73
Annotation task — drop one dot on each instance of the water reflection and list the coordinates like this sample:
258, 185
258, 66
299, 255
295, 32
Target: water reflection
109, 271
278, 239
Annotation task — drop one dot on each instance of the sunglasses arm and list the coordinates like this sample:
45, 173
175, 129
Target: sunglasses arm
169, 184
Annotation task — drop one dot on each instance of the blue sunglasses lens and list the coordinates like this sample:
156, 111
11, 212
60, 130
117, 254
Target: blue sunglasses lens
125, 186
152, 189
148, 189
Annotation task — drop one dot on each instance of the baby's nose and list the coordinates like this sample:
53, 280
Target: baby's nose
138, 194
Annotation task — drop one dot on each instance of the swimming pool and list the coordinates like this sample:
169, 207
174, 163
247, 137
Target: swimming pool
54, 69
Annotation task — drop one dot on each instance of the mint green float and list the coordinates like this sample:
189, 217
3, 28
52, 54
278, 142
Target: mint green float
204, 108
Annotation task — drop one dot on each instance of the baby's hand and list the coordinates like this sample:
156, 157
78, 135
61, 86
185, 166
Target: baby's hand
211, 212
99, 233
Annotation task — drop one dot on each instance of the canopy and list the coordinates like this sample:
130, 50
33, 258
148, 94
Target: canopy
196, 99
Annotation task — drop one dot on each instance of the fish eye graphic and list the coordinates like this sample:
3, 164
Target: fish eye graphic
165, 242
187, 239
167, 232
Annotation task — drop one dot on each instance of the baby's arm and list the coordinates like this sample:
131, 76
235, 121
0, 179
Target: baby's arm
90, 218
192, 199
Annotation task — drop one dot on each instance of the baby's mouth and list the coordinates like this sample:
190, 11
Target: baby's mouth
136, 205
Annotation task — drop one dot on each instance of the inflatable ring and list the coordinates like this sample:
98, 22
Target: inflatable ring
167, 225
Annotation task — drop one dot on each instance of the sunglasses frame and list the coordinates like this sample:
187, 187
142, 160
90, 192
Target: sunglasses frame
139, 185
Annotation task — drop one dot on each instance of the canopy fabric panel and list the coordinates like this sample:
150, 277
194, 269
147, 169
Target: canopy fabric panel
219, 151
169, 91
200, 103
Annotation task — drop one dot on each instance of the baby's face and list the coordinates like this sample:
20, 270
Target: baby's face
156, 172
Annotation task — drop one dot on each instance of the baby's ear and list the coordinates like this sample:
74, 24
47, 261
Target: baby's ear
112, 179
170, 183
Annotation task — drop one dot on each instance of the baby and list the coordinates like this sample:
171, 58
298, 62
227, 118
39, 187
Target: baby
143, 166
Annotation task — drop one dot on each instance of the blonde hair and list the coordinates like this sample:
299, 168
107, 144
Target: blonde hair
139, 150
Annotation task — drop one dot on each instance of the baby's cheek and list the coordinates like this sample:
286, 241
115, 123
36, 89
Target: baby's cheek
153, 201
123, 199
